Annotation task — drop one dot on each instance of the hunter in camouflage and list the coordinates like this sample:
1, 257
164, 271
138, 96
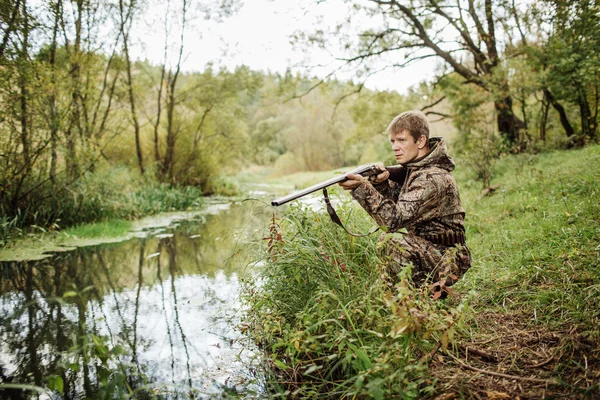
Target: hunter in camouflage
422, 217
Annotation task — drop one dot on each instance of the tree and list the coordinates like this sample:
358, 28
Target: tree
467, 36
572, 61
126, 17
170, 76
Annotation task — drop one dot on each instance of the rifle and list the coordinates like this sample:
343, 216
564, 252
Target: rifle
397, 174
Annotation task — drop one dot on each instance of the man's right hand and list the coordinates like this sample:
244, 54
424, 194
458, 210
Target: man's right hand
354, 180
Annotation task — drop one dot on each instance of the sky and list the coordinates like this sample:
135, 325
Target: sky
258, 35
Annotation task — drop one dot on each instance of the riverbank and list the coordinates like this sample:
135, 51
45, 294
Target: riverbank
40, 244
107, 194
524, 321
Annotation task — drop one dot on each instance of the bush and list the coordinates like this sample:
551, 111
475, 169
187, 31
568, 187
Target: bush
116, 193
323, 309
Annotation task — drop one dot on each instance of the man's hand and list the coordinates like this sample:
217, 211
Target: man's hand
382, 176
354, 180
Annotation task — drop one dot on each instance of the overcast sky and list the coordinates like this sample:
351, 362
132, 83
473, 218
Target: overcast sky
258, 35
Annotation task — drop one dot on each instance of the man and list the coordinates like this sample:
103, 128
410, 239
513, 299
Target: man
425, 205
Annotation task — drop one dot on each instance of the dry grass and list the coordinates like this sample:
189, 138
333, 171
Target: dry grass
511, 357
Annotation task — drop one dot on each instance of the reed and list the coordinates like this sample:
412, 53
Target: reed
329, 318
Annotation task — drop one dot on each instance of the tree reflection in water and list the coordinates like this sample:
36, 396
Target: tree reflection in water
151, 316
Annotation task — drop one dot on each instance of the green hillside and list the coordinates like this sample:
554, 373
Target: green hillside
524, 320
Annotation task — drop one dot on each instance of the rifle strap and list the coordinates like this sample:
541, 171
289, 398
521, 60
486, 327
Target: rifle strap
334, 217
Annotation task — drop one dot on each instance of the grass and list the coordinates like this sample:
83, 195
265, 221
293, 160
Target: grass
525, 322
113, 228
330, 321
107, 195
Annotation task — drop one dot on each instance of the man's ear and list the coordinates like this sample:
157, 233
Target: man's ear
422, 142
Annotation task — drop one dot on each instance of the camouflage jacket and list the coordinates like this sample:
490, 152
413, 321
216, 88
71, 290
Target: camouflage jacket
426, 202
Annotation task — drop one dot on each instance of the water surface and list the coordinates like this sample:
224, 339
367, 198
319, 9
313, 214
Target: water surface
160, 311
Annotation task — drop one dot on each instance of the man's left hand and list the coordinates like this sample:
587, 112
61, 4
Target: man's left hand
353, 182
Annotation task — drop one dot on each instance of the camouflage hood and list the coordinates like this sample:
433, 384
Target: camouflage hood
436, 157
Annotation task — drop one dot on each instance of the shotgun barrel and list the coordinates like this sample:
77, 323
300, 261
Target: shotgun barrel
365, 170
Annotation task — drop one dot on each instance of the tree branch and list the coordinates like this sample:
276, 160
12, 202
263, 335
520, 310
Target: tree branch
479, 56
435, 103
421, 32
9, 29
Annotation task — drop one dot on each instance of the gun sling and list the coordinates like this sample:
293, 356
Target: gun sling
335, 218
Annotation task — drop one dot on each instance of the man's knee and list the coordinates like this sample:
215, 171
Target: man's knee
402, 250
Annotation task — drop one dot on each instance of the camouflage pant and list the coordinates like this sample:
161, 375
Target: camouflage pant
431, 262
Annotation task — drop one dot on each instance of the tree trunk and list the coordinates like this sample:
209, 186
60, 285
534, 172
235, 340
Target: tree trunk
134, 117
588, 122
157, 158
564, 120
75, 120
167, 165
53, 112
9, 29
509, 124
544, 118
23, 85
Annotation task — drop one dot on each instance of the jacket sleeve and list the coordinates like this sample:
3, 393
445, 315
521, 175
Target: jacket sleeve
387, 189
410, 206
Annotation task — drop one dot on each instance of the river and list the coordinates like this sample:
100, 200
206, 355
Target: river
153, 316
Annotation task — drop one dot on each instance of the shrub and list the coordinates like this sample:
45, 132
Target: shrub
325, 312
112, 193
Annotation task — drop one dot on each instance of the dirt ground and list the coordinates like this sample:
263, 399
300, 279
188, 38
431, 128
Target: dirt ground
511, 358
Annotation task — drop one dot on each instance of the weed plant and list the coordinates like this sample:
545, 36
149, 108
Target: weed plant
334, 326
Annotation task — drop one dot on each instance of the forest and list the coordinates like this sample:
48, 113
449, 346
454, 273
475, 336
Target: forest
90, 132
77, 110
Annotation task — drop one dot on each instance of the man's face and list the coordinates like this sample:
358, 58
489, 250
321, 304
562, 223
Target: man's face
405, 147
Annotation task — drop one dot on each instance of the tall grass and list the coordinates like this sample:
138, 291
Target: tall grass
111, 193
333, 325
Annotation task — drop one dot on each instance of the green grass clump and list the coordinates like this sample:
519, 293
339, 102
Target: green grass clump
333, 325
112, 228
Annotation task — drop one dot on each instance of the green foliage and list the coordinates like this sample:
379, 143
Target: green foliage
477, 143
328, 317
331, 325
573, 60
214, 117
305, 133
538, 237
108, 194
335, 124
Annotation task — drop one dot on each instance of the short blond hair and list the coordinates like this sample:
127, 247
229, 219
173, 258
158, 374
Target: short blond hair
413, 121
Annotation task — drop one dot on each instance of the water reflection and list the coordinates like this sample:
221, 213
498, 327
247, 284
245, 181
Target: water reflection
150, 316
